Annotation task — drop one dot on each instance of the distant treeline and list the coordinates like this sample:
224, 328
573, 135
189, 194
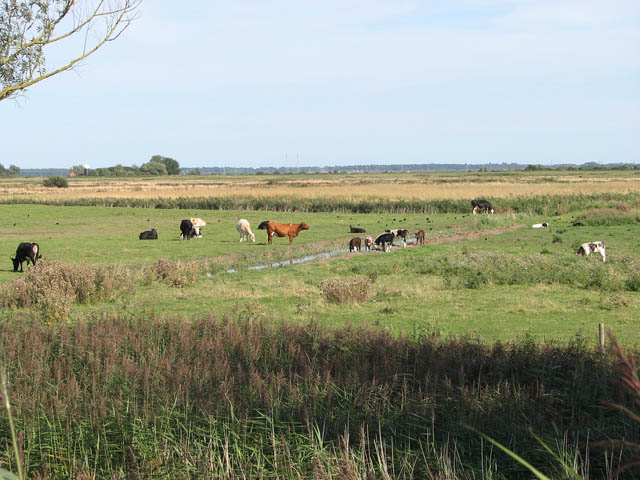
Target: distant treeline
537, 205
425, 167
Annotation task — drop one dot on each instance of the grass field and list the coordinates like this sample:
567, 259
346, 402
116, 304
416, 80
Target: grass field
407, 293
177, 359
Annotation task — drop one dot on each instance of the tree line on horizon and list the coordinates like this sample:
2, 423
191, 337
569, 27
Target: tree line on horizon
160, 165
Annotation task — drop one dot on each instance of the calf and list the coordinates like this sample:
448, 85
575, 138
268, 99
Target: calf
420, 237
368, 243
26, 251
290, 230
386, 240
593, 247
244, 229
149, 235
354, 244
356, 230
481, 205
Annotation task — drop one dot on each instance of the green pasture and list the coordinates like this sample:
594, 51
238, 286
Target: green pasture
100, 235
404, 298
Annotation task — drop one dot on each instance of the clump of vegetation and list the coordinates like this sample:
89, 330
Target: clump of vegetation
51, 288
57, 181
346, 290
176, 274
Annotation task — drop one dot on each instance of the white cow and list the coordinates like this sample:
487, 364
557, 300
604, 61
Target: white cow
593, 247
244, 229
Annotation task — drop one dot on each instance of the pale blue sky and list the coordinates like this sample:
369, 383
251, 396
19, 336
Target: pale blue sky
298, 83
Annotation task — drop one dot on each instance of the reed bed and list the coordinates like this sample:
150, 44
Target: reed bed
538, 205
236, 398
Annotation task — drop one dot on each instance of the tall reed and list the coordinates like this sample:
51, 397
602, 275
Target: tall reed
239, 398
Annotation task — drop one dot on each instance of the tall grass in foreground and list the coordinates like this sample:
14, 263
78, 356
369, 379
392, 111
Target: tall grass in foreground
538, 205
229, 398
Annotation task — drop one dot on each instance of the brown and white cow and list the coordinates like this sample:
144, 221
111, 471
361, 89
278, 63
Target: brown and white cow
354, 244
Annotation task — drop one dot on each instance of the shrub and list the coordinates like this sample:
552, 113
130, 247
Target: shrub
51, 288
59, 182
346, 290
176, 274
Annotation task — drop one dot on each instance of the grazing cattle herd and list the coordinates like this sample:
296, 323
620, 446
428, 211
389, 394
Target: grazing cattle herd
190, 228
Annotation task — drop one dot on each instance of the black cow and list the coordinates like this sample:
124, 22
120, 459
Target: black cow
188, 232
26, 251
386, 240
356, 230
481, 205
149, 235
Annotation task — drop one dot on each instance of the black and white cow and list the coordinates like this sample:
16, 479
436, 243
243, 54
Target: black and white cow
481, 205
402, 233
26, 251
187, 230
149, 235
386, 240
593, 247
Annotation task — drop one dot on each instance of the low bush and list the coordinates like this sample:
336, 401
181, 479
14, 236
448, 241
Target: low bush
51, 288
59, 182
346, 290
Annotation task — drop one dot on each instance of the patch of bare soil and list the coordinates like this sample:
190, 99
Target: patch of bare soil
473, 235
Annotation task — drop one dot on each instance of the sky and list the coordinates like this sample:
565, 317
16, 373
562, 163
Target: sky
255, 83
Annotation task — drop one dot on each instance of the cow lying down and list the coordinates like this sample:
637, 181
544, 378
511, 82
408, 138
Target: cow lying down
593, 247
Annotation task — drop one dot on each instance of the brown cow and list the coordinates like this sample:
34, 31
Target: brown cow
420, 237
290, 230
354, 244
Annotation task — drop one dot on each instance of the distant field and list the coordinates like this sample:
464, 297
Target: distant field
413, 186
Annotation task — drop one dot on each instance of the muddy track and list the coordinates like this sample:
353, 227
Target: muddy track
456, 237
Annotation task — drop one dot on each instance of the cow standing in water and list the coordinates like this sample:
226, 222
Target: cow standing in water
26, 251
354, 244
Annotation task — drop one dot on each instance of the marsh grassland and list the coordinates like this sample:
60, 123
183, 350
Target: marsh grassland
179, 359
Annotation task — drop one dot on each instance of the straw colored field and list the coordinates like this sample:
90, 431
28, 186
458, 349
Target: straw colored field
352, 186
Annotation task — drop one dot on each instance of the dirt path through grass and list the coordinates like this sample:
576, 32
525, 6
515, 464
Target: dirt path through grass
456, 237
